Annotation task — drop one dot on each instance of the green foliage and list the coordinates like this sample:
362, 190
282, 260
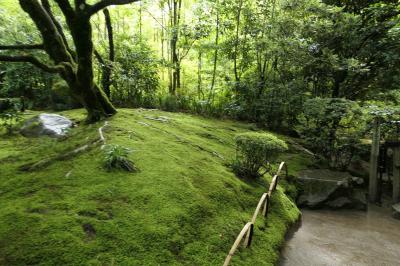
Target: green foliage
27, 81
135, 75
256, 151
116, 157
9, 119
332, 127
169, 103
10, 114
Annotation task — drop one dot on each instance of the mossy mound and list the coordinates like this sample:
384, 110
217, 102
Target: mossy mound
184, 206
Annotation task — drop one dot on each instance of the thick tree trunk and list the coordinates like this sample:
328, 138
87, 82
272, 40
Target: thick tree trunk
77, 68
92, 97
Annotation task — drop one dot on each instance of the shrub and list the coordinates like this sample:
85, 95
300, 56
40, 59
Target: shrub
169, 103
332, 127
116, 157
256, 151
10, 115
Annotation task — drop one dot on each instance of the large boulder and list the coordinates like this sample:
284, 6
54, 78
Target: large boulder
51, 125
322, 188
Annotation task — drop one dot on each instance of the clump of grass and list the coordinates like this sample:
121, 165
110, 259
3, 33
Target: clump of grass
116, 157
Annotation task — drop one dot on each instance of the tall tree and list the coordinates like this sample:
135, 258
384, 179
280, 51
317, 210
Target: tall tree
215, 59
75, 66
175, 7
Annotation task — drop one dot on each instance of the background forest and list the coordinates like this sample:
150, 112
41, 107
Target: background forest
309, 68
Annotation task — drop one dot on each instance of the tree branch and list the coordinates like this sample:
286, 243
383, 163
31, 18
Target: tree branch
66, 8
33, 60
105, 3
47, 7
99, 58
22, 47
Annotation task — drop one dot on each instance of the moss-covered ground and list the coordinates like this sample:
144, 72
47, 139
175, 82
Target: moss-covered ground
184, 207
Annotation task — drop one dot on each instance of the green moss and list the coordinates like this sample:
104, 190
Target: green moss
185, 207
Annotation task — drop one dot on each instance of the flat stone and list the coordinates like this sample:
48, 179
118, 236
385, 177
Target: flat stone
51, 125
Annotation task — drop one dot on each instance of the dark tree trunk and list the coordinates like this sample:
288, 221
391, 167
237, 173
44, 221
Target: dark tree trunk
91, 96
106, 78
74, 66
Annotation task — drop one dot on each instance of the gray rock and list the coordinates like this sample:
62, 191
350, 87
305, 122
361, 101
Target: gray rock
52, 125
357, 180
359, 200
339, 203
396, 211
322, 188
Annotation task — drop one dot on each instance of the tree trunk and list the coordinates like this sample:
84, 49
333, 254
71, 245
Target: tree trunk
107, 70
91, 96
200, 93
211, 96
175, 9
235, 54
75, 67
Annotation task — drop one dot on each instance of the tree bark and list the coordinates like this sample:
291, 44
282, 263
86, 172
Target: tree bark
175, 9
235, 54
75, 67
107, 69
211, 96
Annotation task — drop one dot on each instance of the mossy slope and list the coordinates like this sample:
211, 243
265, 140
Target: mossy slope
184, 207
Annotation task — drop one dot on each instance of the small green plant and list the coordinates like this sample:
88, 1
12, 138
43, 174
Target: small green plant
9, 119
255, 152
116, 157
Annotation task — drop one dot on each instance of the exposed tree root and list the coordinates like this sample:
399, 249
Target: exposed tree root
67, 155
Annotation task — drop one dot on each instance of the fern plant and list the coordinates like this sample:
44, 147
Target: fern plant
116, 157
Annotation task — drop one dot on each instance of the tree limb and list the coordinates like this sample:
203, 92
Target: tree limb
99, 58
47, 7
22, 47
93, 9
33, 60
66, 8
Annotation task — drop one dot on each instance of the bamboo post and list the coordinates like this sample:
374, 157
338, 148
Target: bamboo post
373, 172
249, 236
248, 229
237, 242
396, 174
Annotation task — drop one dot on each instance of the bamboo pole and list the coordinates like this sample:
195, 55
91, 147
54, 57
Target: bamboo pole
247, 230
236, 243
